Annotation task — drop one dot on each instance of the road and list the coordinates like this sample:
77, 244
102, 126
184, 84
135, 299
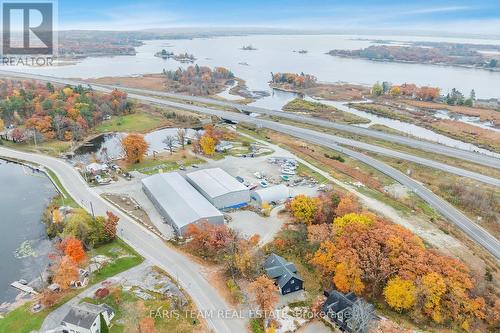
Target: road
431, 147
423, 145
188, 272
470, 228
473, 230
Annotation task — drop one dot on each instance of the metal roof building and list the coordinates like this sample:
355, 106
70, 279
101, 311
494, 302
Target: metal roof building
178, 202
220, 188
273, 194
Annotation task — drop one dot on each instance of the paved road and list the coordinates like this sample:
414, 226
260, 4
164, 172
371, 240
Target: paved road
431, 147
151, 247
52, 323
473, 230
428, 146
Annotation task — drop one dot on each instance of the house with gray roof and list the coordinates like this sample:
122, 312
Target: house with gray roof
86, 318
338, 309
284, 273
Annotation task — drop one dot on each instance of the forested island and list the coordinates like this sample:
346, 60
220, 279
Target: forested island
452, 54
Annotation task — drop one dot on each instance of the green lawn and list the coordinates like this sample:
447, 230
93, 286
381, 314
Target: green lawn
166, 163
21, 320
50, 147
136, 122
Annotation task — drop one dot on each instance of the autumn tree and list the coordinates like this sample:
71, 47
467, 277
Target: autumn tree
265, 294
400, 294
207, 144
2, 125
110, 225
135, 147
348, 204
65, 272
73, 248
340, 223
49, 298
303, 208
209, 240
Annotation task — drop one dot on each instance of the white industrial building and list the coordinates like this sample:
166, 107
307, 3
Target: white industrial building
220, 188
178, 202
272, 195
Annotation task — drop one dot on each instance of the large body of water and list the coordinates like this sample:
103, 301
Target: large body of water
275, 54
24, 245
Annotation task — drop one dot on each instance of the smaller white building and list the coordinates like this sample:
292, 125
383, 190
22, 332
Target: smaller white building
86, 318
272, 195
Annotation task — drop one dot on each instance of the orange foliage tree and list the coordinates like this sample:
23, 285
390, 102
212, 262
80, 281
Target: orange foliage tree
147, 325
265, 294
135, 147
348, 204
110, 225
66, 272
73, 248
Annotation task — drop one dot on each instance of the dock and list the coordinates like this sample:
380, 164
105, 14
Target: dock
24, 288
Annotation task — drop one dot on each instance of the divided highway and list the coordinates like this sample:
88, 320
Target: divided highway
473, 230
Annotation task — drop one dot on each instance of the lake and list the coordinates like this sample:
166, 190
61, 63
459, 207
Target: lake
275, 54
24, 194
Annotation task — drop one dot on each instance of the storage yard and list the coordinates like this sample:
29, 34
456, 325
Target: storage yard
230, 190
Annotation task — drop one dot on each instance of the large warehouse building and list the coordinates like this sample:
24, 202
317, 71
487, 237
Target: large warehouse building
220, 188
179, 203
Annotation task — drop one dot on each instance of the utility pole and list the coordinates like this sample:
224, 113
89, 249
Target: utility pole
92, 209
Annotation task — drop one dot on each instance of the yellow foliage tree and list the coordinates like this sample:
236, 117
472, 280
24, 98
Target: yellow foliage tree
340, 223
395, 91
56, 216
67, 91
432, 288
400, 294
207, 144
266, 208
2, 125
303, 208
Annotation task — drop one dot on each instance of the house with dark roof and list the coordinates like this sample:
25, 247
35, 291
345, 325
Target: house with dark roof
338, 309
86, 318
284, 273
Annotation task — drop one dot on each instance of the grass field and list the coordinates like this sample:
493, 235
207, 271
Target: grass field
136, 122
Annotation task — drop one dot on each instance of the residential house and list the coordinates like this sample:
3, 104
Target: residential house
338, 309
86, 318
284, 273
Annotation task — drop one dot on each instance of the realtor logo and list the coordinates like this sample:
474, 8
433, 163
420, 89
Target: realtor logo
28, 28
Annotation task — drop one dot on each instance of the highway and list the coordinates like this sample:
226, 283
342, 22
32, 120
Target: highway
428, 146
473, 230
189, 274
476, 157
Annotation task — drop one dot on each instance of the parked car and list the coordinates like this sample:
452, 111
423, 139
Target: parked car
252, 187
195, 166
240, 179
287, 172
258, 175
264, 184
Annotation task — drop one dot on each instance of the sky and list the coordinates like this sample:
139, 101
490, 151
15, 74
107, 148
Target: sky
479, 16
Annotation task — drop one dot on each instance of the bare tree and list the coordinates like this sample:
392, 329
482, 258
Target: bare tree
363, 317
181, 136
169, 141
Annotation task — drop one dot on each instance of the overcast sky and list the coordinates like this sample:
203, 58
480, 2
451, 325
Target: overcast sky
480, 16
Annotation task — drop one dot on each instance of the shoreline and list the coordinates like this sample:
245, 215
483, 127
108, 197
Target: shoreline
22, 298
